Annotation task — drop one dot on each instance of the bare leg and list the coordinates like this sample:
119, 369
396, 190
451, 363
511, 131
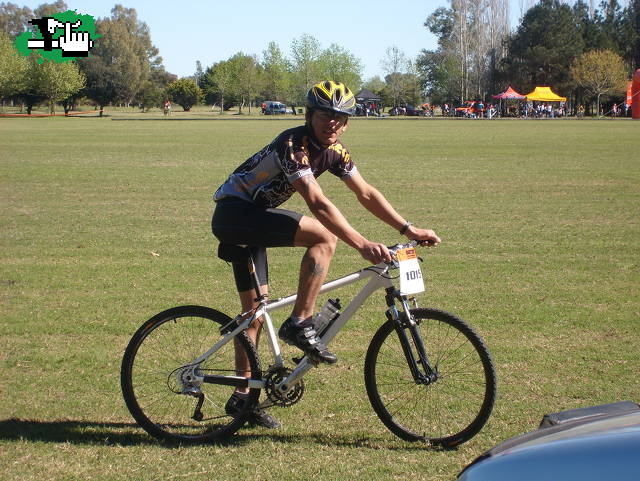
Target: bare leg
321, 245
247, 299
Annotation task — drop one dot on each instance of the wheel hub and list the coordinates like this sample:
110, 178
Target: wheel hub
185, 380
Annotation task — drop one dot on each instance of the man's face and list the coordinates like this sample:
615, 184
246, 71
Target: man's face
328, 126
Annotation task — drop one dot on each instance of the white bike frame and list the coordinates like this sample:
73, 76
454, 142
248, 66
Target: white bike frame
378, 278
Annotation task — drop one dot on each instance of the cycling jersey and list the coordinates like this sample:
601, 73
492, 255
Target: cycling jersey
265, 178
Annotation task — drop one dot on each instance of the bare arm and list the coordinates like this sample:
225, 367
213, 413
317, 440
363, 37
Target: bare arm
332, 219
376, 203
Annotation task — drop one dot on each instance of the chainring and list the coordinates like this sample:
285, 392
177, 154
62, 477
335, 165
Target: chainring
273, 377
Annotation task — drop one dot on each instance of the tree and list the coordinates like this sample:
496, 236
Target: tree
152, 91
495, 18
610, 20
199, 74
50, 81
49, 9
140, 35
114, 70
338, 64
600, 72
590, 31
440, 70
122, 60
375, 85
630, 35
277, 73
58, 81
161, 78
150, 95
396, 65
13, 68
461, 39
305, 53
543, 48
218, 81
14, 19
184, 92
247, 77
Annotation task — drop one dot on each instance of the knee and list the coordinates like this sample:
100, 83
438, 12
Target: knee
324, 245
314, 236
329, 243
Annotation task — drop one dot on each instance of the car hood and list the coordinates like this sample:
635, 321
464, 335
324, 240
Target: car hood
598, 449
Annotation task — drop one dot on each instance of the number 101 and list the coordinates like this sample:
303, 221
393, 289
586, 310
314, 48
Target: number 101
413, 275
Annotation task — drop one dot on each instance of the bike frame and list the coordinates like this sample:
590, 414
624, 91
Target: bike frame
378, 279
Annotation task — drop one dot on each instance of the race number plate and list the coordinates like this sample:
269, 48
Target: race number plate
410, 273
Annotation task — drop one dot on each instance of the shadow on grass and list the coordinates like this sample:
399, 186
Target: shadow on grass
321, 438
74, 432
119, 434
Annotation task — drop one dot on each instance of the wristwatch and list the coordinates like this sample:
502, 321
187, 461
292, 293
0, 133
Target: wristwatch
405, 227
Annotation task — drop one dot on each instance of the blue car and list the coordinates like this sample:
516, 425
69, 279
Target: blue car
601, 443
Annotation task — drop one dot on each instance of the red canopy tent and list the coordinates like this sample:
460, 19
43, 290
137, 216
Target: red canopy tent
509, 94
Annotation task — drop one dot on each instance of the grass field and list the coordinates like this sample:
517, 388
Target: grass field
106, 222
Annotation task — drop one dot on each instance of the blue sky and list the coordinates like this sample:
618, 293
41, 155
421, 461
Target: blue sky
211, 31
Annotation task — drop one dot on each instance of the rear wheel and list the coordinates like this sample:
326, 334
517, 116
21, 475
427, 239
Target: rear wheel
162, 387
451, 409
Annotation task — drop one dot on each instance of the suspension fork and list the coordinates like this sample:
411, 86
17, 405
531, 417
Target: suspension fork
420, 367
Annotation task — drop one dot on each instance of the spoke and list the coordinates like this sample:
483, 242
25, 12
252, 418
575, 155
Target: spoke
446, 407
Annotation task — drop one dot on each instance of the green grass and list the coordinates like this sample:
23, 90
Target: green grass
104, 223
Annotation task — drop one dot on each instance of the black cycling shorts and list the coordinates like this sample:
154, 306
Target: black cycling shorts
236, 221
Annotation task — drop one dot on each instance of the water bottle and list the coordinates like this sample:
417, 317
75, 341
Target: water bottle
325, 316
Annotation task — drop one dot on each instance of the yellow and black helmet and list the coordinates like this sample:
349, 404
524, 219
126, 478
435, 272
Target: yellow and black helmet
332, 96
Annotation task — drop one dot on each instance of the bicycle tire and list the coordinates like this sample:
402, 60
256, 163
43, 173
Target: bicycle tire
152, 361
449, 411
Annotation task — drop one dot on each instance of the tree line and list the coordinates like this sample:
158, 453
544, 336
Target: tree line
125, 68
581, 51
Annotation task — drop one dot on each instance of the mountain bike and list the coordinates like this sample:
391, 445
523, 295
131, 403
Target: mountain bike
428, 375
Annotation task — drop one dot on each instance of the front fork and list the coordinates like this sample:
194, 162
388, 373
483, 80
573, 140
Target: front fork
413, 347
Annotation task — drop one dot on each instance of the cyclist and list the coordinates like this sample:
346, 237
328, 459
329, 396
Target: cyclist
247, 213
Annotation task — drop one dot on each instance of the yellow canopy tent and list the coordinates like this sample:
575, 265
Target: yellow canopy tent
544, 94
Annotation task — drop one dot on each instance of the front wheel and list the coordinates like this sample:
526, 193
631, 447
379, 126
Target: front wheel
163, 387
446, 411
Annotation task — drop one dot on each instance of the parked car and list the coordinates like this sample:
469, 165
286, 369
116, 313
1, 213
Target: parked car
589, 444
467, 110
406, 109
275, 108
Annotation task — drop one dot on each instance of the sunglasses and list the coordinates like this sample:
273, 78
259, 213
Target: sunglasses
326, 116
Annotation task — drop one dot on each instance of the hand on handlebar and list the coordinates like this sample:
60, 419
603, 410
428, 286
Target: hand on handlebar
375, 252
423, 236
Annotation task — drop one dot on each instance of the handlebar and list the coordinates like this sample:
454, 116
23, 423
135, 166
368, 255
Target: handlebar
394, 249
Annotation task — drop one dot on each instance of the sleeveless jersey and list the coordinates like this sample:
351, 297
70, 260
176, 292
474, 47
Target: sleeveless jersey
265, 178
